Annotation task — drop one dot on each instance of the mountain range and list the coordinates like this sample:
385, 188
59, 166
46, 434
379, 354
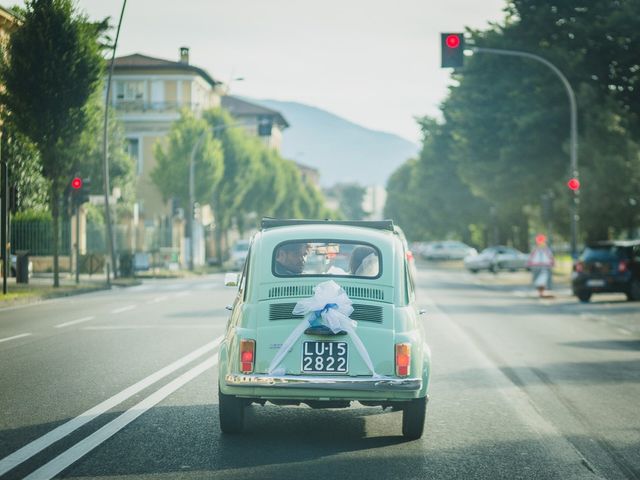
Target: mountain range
342, 151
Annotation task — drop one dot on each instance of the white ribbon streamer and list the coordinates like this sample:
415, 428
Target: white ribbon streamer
329, 306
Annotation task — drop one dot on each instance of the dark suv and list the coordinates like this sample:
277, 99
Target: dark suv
610, 266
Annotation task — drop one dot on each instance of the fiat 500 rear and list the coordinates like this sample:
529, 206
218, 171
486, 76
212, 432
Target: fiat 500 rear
325, 315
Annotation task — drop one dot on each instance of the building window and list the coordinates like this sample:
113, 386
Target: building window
130, 90
132, 148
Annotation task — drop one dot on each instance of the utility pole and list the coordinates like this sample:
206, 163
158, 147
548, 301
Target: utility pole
4, 212
105, 163
573, 132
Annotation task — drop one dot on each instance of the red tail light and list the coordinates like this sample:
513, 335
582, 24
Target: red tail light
409, 255
403, 359
623, 266
579, 267
247, 355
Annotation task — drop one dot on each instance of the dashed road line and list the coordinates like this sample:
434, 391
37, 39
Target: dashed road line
15, 337
156, 300
75, 322
123, 309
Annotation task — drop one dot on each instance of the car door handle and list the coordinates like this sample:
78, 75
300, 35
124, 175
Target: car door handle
229, 307
422, 311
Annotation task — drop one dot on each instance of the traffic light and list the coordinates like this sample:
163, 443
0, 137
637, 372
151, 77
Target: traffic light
80, 190
452, 48
573, 184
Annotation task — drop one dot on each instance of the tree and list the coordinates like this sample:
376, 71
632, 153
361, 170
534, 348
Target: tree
171, 174
53, 66
350, 197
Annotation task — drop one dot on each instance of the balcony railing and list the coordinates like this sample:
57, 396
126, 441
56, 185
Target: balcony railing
137, 106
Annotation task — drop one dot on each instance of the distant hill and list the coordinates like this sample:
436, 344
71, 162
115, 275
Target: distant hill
341, 150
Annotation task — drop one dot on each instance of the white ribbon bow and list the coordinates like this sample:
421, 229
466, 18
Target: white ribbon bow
329, 306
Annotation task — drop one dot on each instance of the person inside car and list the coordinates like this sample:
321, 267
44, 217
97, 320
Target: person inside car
363, 262
291, 258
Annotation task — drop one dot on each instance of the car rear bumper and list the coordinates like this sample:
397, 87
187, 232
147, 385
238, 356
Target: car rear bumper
377, 384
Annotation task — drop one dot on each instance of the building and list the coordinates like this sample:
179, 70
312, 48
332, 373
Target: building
263, 122
148, 94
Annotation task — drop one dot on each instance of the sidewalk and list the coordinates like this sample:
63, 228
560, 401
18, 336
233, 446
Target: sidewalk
40, 287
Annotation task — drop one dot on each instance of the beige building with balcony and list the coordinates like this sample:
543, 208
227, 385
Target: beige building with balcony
148, 94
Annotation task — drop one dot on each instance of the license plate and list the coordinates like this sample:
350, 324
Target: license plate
324, 357
595, 283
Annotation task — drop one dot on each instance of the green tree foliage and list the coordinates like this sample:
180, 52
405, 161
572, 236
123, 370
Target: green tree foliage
52, 67
171, 174
257, 181
350, 197
504, 142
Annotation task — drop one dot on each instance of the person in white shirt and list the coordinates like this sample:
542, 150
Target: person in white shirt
541, 262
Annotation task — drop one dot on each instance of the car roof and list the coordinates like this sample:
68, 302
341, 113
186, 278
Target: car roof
331, 230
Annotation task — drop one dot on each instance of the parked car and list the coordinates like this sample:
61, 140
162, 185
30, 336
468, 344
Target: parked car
608, 266
238, 254
305, 330
497, 258
447, 250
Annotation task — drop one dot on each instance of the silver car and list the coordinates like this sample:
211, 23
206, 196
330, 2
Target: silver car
447, 250
496, 258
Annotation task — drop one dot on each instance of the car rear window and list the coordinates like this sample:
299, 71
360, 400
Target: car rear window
326, 258
605, 253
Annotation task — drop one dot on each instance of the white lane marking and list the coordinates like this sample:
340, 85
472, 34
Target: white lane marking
33, 448
140, 327
74, 322
123, 309
80, 449
14, 337
156, 300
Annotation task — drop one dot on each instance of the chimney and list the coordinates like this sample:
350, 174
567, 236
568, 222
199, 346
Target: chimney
184, 55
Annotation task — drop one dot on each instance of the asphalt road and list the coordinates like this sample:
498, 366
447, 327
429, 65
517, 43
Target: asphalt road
122, 384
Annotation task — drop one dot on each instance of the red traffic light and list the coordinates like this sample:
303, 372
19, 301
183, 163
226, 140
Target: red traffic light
573, 184
453, 41
76, 183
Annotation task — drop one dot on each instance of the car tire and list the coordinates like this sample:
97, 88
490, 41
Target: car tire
473, 270
413, 418
584, 296
231, 412
634, 291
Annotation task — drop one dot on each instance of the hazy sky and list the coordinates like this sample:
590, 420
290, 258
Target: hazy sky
373, 62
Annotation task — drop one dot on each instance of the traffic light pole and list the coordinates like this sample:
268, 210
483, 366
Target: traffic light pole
573, 130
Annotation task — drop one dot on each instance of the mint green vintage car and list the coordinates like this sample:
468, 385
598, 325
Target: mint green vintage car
325, 315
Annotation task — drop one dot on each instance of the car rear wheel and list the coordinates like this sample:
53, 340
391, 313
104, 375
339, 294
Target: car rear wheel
634, 291
583, 296
413, 416
231, 411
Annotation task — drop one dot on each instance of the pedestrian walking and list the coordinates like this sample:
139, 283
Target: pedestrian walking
541, 262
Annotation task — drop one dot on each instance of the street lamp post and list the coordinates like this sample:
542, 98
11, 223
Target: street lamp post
573, 131
192, 168
105, 159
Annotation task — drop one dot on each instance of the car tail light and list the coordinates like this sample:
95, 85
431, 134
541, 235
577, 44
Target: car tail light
623, 266
579, 267
403, 359
409, 255
247, 355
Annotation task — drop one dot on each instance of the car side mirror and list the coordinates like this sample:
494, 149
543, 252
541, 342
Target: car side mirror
231, 279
